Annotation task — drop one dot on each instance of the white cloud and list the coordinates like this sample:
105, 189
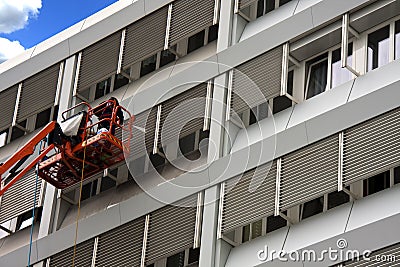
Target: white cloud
14, 14
9, 49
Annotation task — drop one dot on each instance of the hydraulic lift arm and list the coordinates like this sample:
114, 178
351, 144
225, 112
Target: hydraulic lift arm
15, 161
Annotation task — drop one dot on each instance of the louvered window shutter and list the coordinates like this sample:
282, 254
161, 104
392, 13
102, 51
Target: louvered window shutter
20, 197
240, 206
145, 37
121, 246
309, 172
38, 92
189, 17
183, 114
83, 257
371, 147
171, 229
99, 61
256, 80
7, 105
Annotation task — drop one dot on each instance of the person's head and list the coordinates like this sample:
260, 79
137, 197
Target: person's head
114, 99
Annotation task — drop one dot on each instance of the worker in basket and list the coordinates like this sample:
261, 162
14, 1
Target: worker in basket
104, 112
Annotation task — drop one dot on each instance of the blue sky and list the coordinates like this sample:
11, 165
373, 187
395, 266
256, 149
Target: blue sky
33, 21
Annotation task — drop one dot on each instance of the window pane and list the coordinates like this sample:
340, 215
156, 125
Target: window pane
282, 2
317, 77
290, 82
103, 88
275, 223
397, 39
256, 229
42, 118
270, 6
397, 175
194, 255
186, 144
337, 198
17, 132
167, 57
263, 111
120, 81
313, 207
148, 65
378, 48
3, 138
246, 233
281, 103
213, 33
376, 183
176, 260
341, 75
260, 8
196, 41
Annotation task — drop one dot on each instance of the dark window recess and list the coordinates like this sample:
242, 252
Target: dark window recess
186, 144
337, 198
213, 33
246, 233
313, 207
89, 190
253, 116
196, 41
275, 223
264, 7
151, 265
260, 8
148, 65
42, 118
283, 2
17, 132
317, 75
28, 216
103, 88
107, 182
376, 183
378, 48
177, 260
137, 166
281, 103
55, 113
194, 255
157, 161
397, 39
290, 83
397, 175
120, 81
167, 57
85, 93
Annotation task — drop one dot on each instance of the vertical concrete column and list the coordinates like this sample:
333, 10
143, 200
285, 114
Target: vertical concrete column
50, 205
210, 247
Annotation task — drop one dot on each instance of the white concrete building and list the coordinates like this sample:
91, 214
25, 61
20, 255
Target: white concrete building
289, 142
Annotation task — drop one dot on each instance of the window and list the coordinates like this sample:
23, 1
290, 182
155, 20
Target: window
3, 138
397, 175
42, 118
376, 183
283, 2
157, 161
264, 7
196, 41
275, 223
194, 255
187, 144
397, 39
25, 220
17, 132
378, 48
103, 88
213, 33
337, 198
89, 190
341, 75
167, 57
281, 103
317, 79
177, 260
148, 65
312, 208
108, 183
256, 229
138, 166
120, 81
258, 113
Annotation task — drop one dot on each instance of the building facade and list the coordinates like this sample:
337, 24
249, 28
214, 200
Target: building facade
266, 134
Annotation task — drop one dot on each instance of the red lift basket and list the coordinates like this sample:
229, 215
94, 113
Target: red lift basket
97, 150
